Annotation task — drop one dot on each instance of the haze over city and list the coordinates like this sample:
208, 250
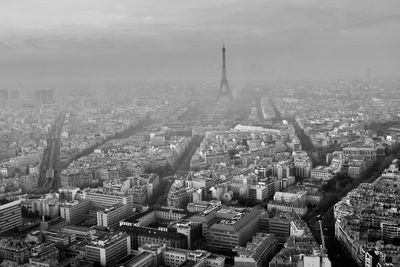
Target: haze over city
66, 43
199, 133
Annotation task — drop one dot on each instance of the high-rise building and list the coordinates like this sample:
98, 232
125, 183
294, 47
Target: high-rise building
103, 200
111, 216
45, 254
276, 223
108, 249
302, 167
139, 194
258, 192
10, 215
73, 212
48, 206
68, 193
179, 197
283, 169
263, 171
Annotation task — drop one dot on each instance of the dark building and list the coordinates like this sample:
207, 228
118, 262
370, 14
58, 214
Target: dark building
224, 86
277, 223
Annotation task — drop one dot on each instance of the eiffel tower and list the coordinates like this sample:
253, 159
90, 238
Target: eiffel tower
224, 86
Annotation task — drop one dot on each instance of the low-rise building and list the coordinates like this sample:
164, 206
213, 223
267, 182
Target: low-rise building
257, 252
14, 250
322, 172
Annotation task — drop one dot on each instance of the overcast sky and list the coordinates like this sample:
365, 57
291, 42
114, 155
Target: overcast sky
54, 43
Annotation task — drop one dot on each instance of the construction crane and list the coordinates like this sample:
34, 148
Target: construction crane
322, 235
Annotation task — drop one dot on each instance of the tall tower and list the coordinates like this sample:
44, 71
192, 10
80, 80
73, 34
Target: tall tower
224, 86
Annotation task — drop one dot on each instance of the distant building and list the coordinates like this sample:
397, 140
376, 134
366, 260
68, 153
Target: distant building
47, 206
104, 200
299, 209
111, 216
10, 216
202, 205
260, 192
283, 169
372, 205
315, 260
277, 223
322, 172
117, 186
162, 226
366, 153
108, 249
77, 178
180, 257
139, 194
263, 171
59, 237
82, 232
257, 252
74, 212
14, 250
299, 197
302, 164
179, 197
68, 193
231, 227
356, 168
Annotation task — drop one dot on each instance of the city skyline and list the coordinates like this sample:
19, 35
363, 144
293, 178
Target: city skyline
200, 133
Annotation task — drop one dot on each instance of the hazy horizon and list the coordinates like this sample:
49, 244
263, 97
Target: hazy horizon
56, 44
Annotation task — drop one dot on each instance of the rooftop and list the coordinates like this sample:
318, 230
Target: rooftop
251, 248
107, 239
10, 204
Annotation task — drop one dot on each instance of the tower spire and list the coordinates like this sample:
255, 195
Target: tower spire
224, 86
